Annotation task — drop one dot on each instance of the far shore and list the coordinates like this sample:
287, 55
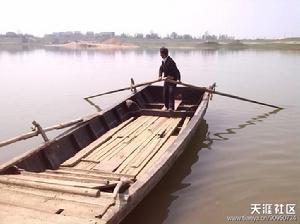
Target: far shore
93, 45
116, 43
188, 45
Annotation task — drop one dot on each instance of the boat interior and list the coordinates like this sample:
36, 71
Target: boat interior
89, 168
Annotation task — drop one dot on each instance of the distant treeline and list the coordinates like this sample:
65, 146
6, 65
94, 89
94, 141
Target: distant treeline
205, 37
77, 35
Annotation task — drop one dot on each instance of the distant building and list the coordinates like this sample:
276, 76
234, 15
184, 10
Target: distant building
12, 38
77, 33
67, 34
10, 34
90, 34
105, 34
139, 35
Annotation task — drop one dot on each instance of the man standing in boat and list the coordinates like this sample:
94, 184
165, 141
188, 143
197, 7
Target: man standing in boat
168, 70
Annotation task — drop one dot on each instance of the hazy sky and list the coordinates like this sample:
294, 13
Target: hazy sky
241, 18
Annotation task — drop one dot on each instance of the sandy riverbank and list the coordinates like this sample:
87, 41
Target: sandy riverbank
116, 43
108, 44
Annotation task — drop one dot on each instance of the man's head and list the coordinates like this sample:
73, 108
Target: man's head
164, 52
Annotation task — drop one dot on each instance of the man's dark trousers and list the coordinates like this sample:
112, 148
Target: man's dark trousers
169, 95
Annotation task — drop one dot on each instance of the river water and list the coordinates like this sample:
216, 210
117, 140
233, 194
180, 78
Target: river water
243, 153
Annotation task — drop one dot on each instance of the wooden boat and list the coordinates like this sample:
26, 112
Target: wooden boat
98, 171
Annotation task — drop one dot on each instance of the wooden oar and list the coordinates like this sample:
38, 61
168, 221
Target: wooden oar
222, 94
122, 89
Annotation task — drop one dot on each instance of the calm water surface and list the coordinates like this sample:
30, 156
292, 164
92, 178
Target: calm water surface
242, 154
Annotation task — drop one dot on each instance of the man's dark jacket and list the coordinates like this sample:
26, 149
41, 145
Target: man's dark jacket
169, 68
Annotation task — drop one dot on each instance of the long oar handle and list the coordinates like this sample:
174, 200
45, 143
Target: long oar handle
222, 94
126, 88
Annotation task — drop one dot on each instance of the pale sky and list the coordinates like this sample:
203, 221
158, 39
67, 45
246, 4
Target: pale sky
240, 18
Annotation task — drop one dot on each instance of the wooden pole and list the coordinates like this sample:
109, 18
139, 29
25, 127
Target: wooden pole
19, 138
37, 132
71, 123
222, 94
64, 125
126, 88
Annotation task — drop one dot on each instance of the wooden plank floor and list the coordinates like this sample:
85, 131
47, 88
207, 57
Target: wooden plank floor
131, 148
82, 189
14, 214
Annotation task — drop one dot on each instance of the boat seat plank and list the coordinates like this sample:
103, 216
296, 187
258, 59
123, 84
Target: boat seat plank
161, 105
95, 173
58, 176
88, 149
103, 199
30, 216
47, 180
92, 175
162, 113
187, 107
52, 187
154, 105
52, 204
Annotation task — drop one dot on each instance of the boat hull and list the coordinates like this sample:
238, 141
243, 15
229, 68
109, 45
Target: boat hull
112, 160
